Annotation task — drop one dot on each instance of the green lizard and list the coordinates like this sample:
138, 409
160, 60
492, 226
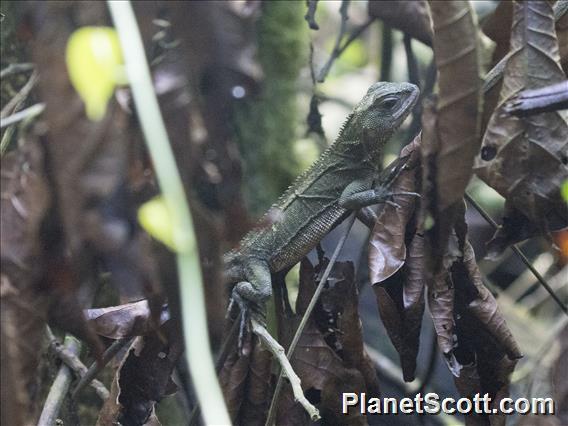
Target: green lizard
346, 178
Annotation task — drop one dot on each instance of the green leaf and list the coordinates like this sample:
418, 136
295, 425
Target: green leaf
564, 190
155, 217
94, 62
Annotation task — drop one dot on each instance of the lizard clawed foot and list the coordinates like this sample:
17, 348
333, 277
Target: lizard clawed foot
249, 310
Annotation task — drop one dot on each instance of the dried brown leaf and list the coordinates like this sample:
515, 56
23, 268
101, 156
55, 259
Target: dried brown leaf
468, 384
117, 322
327, 361
401, 306
320, 368
143, 378
457, 59
387, 247
337, 317
484, 307
411, 17
441, 302
449, 149
525, 160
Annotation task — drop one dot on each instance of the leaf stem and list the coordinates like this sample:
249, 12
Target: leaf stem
197, 346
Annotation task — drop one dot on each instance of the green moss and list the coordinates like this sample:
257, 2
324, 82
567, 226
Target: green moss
266, 126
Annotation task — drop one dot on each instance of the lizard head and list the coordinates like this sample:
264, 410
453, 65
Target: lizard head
381, 111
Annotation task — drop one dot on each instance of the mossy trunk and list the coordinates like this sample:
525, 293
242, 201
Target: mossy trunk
267, 125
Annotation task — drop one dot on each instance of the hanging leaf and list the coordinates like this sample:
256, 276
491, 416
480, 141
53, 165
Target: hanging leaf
526, 159
387, 248
457, 60
94, 61
451, 154
400, 300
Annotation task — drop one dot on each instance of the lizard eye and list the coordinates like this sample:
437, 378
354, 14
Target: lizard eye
388, 103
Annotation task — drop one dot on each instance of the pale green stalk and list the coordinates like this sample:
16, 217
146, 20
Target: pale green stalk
197, 348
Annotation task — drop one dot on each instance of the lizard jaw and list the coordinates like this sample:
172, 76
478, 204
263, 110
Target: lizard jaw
407, 103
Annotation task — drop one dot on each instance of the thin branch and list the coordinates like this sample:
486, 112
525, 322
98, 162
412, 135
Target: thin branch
311, 14
16, 68
60, 387
275, 398
545, 99
20, 97
6, 138
337, 53
411, 63
24, 114
337, 48
96, 367
386, 53
279, 353
74, 363
519, 253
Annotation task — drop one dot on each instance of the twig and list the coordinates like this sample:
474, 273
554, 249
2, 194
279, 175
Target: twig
545, 99
311, 14
192, 298
16, 68
411, 64
60, 386
24, 114
278, 351
96, 367
75, 364
557, 282
6, 138
337, 50
274, 404
20, 97
386, 53
519, 253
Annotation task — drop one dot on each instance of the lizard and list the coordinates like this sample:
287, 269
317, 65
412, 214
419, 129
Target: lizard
345, 179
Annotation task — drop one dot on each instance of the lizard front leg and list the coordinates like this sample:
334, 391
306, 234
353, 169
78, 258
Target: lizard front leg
251, 295
359, 195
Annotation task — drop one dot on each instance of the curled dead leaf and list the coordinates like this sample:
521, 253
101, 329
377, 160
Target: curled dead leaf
524, 159
387, 246
117, 322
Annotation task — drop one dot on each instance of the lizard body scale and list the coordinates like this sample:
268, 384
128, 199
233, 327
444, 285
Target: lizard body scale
343, 179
